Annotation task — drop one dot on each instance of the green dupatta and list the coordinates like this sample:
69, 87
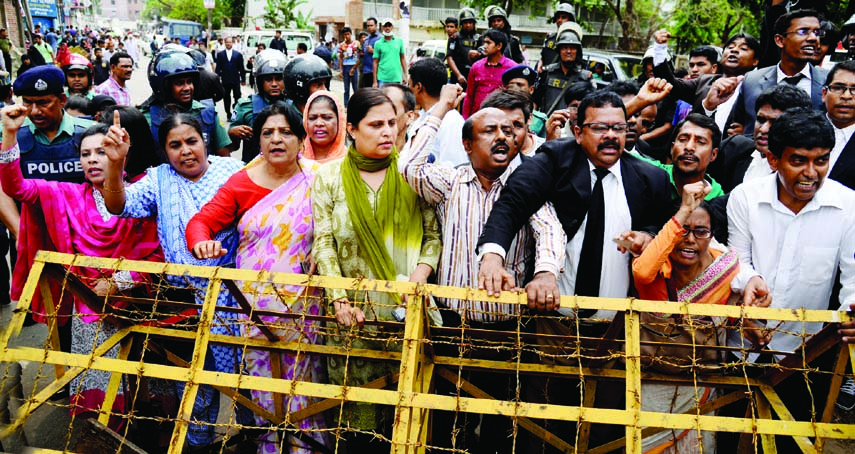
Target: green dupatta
389, 237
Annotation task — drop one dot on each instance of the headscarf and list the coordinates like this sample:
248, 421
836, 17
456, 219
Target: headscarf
338, 147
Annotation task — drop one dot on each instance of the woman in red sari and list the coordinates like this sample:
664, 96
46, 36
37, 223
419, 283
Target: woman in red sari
72, 218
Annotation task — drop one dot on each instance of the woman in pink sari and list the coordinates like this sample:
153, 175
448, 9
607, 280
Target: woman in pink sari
72, 218
270, 201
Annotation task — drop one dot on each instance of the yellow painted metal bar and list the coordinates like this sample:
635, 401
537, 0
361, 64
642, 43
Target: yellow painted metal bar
633, 382
115, 381
784, 414
612, 304
764, 411
406, 417
52, 322
206, 320
17, 321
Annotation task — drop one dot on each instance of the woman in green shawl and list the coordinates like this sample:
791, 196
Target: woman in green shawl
369, 223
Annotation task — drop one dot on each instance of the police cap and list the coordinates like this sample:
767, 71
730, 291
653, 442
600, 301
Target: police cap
520, 72
40, 81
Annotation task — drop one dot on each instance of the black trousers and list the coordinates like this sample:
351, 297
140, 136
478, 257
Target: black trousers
230, 90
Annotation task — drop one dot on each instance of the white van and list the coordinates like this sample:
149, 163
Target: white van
253, 37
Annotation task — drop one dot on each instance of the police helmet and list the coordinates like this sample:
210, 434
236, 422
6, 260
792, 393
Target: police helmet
466, 14
168, 65
495, 11
268, 61
565, 8
301, 72
198, 57
848, 30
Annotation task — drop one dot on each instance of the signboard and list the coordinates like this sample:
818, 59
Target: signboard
209, 4
42, 8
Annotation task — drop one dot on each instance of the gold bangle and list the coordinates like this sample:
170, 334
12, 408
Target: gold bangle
105, 188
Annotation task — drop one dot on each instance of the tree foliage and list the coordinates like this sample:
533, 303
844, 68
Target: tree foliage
227, 13
284, 14
699, 22
535, 8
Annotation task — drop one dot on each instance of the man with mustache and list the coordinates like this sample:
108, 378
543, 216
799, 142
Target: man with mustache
599, 193
743, 158
796, 227
797, 34
840, 104
463, 197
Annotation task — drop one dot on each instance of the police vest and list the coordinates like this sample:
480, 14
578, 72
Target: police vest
207, 118
58, 161
459, 48
549, 54
554, 81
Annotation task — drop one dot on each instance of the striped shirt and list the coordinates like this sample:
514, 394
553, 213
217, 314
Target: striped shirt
112, 89
463, 206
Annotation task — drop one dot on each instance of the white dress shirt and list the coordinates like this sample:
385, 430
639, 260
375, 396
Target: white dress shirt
722, 112
804, 83
615, 270
841, 138
447, 148
758, 167
229, 54
798, 254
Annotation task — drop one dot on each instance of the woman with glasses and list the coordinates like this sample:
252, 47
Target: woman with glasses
679, 265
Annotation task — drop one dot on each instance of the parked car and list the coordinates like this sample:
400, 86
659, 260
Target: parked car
608, 67
434, 48
253, 37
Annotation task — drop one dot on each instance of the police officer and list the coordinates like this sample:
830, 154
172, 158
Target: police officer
497, 19
524, 78
564, 13
269, 75
305, 75
459, 46
173, 76
47, 139
556, 78
78, 76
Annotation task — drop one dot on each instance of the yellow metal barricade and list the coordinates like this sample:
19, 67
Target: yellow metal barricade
411, 391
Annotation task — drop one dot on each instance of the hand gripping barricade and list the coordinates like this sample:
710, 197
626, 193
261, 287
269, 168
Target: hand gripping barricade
145, 340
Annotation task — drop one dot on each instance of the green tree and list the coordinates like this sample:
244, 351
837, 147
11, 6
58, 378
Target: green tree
283, 13
698, 22
638, 19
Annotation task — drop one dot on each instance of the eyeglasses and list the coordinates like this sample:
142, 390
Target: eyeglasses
700, 233
818, 32
840, 89
602, 128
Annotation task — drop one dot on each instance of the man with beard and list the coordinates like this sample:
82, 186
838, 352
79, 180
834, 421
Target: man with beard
78, 77
463, 197
174, 76
738, 58
743, 158
564, 13
797, 34
459, 46
556, 78
269, 75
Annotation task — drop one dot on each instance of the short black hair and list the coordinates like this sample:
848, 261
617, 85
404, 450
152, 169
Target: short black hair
750, 41
681, 73
497, 36
832, 34
466, 131
373, 19
623, 88
708, 52
409, 97
704, 122
346, 30
511, 99
431, 73
114, 59
303, 46
598, 99
848, 65
577, 92
801, 129
360, 35
80, 104
782, 97
451, 20
784, 22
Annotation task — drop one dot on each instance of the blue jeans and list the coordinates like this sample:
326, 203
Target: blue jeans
349, 81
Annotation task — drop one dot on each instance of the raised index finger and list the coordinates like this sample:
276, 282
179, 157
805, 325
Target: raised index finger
117, 120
